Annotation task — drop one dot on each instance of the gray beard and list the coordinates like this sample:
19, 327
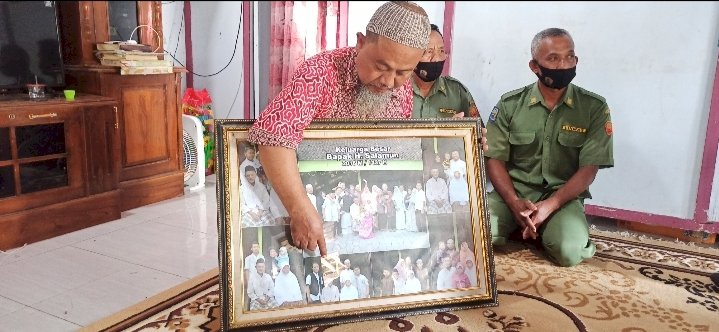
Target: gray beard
368, 104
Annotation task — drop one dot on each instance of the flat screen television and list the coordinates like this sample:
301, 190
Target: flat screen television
29, 45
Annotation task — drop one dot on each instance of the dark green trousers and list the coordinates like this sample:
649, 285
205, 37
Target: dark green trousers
565, 234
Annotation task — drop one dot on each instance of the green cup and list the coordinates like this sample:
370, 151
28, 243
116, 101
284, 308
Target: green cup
69, 95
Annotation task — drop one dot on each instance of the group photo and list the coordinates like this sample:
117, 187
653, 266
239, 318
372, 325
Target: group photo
282, 276
395, 215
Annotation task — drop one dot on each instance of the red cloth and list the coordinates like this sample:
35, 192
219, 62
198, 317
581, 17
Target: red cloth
324, 86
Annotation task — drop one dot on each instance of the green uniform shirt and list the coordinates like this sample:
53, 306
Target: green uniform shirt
446, 98
543, 149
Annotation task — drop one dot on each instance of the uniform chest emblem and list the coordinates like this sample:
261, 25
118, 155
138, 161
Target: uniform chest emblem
447, 110
574, 129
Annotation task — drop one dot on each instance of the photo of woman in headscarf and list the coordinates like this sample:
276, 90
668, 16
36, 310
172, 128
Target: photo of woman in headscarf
471, 270
459, 278
287, 288
283, 257
412, 285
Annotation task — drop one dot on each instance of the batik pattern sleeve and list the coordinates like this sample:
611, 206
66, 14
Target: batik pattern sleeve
598, 147
407, 99
498, 133
284, 120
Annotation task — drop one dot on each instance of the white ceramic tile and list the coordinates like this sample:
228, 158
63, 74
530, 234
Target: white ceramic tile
170, 249
92, 273
198, 219
29, 250
33, 249
7, 306
103, 297
165, 207
45, 275
29, 319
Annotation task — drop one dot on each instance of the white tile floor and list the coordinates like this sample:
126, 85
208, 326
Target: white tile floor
70, 281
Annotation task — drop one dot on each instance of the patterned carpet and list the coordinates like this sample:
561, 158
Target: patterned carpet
630, 285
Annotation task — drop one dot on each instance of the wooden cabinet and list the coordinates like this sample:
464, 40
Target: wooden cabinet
149, 126
58, 167
66, 165
86, 23
149, 116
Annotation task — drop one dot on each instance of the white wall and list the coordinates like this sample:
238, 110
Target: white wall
173, 30
653, 62
361, 12
214, 28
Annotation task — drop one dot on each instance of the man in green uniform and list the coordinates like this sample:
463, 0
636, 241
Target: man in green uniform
438, 96
547, 142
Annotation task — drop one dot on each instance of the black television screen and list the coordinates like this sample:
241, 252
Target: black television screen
29, 44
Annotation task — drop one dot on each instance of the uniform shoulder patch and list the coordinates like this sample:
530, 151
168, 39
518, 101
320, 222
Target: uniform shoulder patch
608, 128
493, 115
473, 111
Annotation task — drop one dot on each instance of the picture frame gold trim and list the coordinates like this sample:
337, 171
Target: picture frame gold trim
397, 161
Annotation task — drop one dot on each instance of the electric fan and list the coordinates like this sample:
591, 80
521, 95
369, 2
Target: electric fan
193, 146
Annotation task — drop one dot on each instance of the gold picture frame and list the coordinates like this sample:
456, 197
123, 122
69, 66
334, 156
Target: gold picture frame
384, 244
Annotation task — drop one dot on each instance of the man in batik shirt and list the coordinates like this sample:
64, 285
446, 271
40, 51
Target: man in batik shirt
366, 81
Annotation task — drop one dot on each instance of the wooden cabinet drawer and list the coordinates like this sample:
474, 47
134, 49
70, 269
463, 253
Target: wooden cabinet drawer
39, 115
45, 163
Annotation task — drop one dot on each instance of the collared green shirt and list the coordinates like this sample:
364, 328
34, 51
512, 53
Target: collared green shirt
543, 149
446, 98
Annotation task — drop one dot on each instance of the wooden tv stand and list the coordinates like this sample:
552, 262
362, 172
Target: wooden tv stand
58, 166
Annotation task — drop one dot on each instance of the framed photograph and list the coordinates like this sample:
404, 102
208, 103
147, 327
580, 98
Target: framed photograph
405, 222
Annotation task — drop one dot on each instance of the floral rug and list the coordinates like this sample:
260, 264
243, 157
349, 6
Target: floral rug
632, 284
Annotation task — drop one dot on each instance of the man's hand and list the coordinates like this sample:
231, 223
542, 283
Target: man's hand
307, 231
543, 210
483, 140
522, 210
280, 165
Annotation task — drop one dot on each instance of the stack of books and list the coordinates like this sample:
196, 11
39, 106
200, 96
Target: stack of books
133, 59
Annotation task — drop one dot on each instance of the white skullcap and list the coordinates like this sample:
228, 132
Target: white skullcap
400, 24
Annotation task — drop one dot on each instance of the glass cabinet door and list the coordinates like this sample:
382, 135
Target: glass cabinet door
42, 157
7, 173
123, 19
5, 153
41, 161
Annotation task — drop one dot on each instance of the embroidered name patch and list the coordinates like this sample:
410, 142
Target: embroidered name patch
574, 129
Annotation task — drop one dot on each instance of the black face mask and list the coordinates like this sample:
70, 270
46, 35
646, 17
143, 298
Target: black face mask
556, 78
429, 71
